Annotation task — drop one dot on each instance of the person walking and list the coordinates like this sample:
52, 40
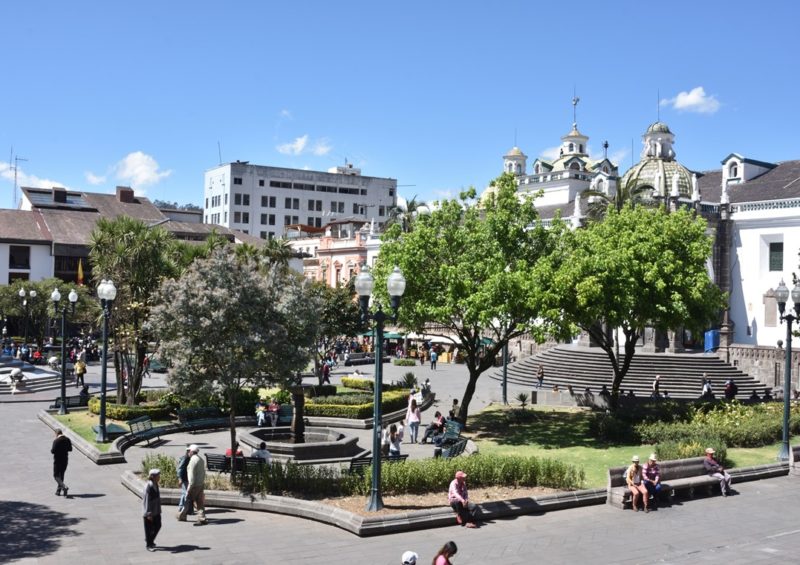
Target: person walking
434, 358
540, 377
413, 417
60, 450
151, 509
443, 556
182, 471
197, 477
656, 387
80, 371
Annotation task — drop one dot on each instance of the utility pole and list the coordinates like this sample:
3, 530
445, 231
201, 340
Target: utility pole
15, 167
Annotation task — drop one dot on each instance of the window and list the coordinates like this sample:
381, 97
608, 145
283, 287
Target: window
356, 209
733, 171
302, 186
271, 234
775, 256
391, 192
363, 192
571, 147
311, 205
295, 219
287, 220
246, 199
280, 184
205, 219
225, 218
263, 220
334, 206
17, 277
261, 183
575, 167
237, 180
381, 210
237, 199
226, 198
287, 203
237, 217
263, 234
580, 147
245, 217
272, 219
19, 257
319, 206
295, 203
310, 221
345, 190
206, 202
318, 222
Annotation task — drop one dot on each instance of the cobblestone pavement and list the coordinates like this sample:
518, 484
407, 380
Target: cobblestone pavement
100, 522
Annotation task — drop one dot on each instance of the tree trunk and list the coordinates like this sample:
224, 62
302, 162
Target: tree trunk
298, 420
463, 411
118, 368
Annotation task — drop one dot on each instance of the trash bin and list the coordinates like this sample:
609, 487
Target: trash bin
711, 340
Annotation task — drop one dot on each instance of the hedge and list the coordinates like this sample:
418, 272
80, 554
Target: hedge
404, 362
392, 400
320, 390
357, 383
125, 412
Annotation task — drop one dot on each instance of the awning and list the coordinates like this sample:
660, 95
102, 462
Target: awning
386, 335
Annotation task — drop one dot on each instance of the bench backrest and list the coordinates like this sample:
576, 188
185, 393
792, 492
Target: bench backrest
674, 469
217, 462
455, 450
285, 413
794, 456
202, 413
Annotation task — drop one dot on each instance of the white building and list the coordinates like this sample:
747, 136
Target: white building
261, 200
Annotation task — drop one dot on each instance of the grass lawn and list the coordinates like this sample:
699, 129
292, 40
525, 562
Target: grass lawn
563, 434
81, 423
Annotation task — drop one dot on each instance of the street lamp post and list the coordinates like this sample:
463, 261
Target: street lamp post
22, 295
782, 295
56, 298
106, 292
396, 285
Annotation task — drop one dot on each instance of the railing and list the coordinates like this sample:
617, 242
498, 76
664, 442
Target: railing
767, 205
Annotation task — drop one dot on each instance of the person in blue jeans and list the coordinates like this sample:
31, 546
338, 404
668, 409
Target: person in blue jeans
434, 358
651, 475
183, 476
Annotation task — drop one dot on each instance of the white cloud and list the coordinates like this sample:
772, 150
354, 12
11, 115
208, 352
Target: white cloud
92, 178
285, 114
551, 153
696, 100
303, 145
321, 147
139, 169
295, 147
25, 179
618, 156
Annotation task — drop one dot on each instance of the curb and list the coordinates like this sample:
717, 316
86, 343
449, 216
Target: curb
380, 525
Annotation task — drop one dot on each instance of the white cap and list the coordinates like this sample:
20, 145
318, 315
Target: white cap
153, 472
194, 448
410, 558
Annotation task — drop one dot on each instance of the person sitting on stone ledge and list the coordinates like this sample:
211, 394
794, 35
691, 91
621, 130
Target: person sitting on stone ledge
716, 470
633, 477
768, 395
459, 501
651, 475
604, 391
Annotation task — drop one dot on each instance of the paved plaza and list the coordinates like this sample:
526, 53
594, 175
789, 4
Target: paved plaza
101, 521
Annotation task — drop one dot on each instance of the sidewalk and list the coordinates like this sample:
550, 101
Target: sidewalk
101, 521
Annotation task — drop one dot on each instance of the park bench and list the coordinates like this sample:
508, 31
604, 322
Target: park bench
191, 418
359, 359
285, 414
678, 475
220, 463
358, 464
76, 401
142, 428
455, 449
452, 433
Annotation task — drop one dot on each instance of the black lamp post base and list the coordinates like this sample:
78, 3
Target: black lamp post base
375, 502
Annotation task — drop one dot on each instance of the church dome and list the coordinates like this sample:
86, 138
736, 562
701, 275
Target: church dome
649, 172
514, 152
658, 127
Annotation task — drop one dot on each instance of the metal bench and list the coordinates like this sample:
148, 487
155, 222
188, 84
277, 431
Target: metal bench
222, 464
358, 464
218, 462
191, 418
142, 428
285, 415
455, 449
71, 402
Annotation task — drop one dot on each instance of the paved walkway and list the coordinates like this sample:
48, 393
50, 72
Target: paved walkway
101, 523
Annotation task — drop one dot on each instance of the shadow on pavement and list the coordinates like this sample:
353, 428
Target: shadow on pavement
223, 521
86, 495
32, 530
183, 548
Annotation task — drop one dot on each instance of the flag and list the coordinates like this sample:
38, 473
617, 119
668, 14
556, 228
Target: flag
80, 271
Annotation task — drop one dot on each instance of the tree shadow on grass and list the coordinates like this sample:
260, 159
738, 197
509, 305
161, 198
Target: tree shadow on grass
32, 530
550, 430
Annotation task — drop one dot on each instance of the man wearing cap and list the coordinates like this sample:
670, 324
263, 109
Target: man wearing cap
151, 509
651, 475
634, 479
197, 477
410, 558
714, 469
459, 501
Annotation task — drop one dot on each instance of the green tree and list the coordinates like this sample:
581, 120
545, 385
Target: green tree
404, 216
600, 202
230, 323
638, 267
470, 270
137, 258
339, 316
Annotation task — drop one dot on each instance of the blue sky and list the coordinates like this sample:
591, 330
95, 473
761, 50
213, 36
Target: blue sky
97, 94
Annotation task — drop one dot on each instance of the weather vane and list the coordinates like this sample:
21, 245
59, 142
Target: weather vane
575, 101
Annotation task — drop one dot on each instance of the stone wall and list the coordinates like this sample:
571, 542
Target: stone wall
762, 362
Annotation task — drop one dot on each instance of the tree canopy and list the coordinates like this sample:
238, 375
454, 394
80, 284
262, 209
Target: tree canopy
231, 322
469, 270
638, 267
339, 316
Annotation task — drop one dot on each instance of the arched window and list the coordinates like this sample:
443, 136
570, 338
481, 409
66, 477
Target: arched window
519, 169
733, 171
571, 147
605, 169
581, 147
536, 169
575, 167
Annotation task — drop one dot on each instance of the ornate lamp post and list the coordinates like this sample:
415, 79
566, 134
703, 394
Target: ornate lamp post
22, 295
106, 292
56, 298
396, 285
782, 295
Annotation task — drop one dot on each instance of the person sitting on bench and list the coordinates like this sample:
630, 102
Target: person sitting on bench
651, 475
435, 428
633, 477
714, 469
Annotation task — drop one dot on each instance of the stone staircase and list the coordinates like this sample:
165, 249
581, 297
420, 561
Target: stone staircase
582, 367
37, 377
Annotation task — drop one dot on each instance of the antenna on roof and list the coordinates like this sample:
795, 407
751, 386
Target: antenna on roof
515, 137
658, 105
15, 166
219, 150
575, 101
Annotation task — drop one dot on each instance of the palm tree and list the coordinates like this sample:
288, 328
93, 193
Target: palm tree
278, 251
627, 193
404, 216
